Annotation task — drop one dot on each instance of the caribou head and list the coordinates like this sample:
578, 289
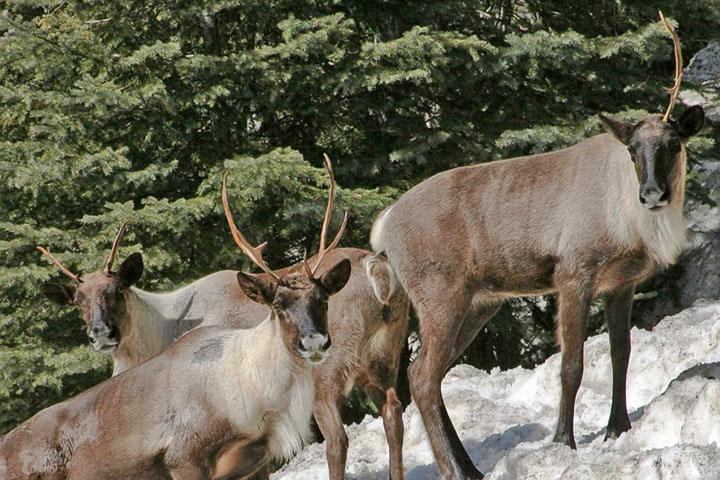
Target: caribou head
657, 144
99, 295
298, 300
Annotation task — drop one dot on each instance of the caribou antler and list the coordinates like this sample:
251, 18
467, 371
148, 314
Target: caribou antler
254, 253
326, 223
678, 68
116, 244
76, 278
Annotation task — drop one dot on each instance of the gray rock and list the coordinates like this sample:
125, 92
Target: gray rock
702, 75
708, 98
704, 66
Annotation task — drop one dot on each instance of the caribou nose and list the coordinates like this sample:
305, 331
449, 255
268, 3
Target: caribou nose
102, 331
315, 342
653, 197
96, 331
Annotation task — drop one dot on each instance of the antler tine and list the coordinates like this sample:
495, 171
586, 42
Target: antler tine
329, 206
308, 272
254, 253
678, 68
326, 219
116, 244
62, 268
321, 254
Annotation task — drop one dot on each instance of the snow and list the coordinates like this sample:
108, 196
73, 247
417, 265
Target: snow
506, 419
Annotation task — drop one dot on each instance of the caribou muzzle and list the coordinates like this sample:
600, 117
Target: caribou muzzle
314, 347
103, 338
654, 198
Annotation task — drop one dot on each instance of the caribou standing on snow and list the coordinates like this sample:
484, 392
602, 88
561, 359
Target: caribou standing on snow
596, 218
367, 322
220, 403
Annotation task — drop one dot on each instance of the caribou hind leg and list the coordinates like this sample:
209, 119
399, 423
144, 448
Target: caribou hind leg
440, 323
617, 315
474, 321
574, 300
385, 399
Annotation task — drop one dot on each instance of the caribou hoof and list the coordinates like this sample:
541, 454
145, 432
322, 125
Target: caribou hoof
565, 439
613, 433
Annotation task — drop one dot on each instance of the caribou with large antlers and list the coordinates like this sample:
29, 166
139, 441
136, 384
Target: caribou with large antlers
367, 322
596, 218
220, 403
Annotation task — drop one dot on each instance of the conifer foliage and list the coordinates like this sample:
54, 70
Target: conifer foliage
131, 110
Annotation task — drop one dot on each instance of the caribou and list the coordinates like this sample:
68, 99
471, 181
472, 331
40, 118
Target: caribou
219, 403
133, 325
367, 322
596, 218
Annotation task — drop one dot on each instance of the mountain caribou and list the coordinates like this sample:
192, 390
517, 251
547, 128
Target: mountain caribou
219, 403
367, 322
596, 218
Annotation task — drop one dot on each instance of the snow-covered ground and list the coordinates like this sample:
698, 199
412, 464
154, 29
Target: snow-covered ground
506, 419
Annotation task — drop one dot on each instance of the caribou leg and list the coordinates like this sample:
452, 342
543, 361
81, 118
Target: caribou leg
242, 459
438, 331
327, 415
473, 323
187, 472
386, 400
617, 315
262, 474
574, 302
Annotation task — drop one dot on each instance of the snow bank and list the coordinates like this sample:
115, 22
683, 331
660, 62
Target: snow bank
507, 419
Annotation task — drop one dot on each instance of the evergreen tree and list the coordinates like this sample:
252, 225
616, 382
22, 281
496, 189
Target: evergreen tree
130, 110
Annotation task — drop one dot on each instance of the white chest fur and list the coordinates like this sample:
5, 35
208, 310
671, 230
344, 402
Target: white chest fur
264, 390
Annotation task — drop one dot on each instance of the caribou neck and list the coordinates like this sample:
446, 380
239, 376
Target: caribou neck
147, 329
259, 363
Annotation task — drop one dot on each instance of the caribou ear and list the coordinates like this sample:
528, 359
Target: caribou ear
60, 293
335, 279
690, 122
257, 289
130, 270
619, 129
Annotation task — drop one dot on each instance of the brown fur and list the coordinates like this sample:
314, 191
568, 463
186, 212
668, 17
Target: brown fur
355, 316
568, 222
196, 411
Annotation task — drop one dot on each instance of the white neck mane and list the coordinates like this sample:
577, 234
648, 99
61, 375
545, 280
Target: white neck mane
154, 321
259, 374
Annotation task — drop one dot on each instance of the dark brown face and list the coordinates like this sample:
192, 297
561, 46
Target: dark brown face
300, 306
656, 149
101, 300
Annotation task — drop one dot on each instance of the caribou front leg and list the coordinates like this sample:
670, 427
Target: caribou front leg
327, 415
617, 315
574, 302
